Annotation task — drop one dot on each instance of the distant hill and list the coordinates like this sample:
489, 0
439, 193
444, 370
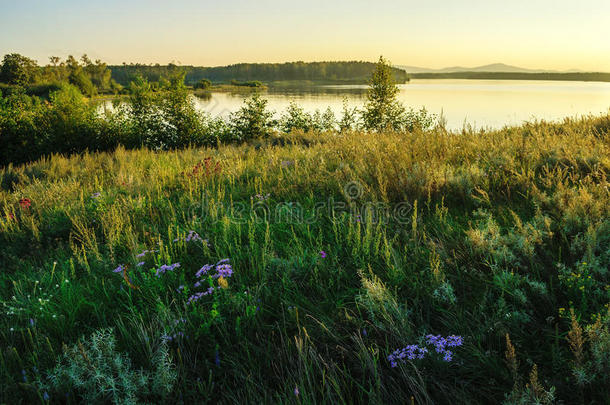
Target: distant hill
494, 67
575, 76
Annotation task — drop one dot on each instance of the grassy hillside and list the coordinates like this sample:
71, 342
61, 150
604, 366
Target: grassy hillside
340, 248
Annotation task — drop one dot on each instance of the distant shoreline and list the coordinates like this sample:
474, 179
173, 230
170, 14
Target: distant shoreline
575, 77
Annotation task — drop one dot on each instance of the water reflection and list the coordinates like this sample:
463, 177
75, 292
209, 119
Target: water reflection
481, 103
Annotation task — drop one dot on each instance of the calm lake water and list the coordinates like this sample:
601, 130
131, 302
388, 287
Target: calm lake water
481, 103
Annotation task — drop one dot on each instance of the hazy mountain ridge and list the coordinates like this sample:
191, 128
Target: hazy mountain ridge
493, 67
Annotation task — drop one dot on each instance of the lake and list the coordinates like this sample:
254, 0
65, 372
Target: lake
480, 103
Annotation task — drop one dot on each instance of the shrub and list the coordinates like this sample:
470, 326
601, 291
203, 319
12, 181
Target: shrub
98, 373
203, 84
253, 120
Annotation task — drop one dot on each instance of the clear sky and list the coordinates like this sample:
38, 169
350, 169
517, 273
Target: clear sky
544, 34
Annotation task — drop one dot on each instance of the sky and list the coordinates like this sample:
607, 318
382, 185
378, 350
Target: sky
538, 34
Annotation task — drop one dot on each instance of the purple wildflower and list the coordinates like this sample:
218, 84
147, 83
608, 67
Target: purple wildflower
204, 270
96, 195
440, 344
167, 267
142, 254
454, 341
119, 269
296, 391
448, 356
224, 270
45, 396
140, 264
323, 254
32, 322
193, 236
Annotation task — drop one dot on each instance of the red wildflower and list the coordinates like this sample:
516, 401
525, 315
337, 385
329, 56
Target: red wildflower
25, 203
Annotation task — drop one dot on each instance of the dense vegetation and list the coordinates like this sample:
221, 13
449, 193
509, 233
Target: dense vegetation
161, 115
377, 263
327, 72
19, 73
575, 76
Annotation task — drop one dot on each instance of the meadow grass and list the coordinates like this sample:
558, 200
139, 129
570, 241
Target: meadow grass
343, 248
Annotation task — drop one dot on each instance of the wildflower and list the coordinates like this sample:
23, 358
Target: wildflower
364, 333
119, 269
45, 396
142, 254
25, 203
453, 341
204, 270
287, 163
323, 254
31, 322
193, 236
180, 288
296, 391
166, 267
224, 270
140, 264
448, 356
96, 195
25, 377
413, 352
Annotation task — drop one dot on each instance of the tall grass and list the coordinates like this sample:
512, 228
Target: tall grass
344, 248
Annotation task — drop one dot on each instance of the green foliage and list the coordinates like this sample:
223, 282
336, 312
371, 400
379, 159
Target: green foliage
80, 79
251, 83
253, 120
18, 69
203, 84
509, 232
328, 72
89, 77
98, 373
295, 118
383, 111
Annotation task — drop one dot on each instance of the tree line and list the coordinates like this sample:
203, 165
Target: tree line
90, 77
330, 72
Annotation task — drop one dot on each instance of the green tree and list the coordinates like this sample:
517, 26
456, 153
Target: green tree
383, 110
18, 69
253, 120
203, 84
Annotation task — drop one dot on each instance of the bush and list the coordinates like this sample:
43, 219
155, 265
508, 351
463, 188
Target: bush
253, 120
203, 84
98, 373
